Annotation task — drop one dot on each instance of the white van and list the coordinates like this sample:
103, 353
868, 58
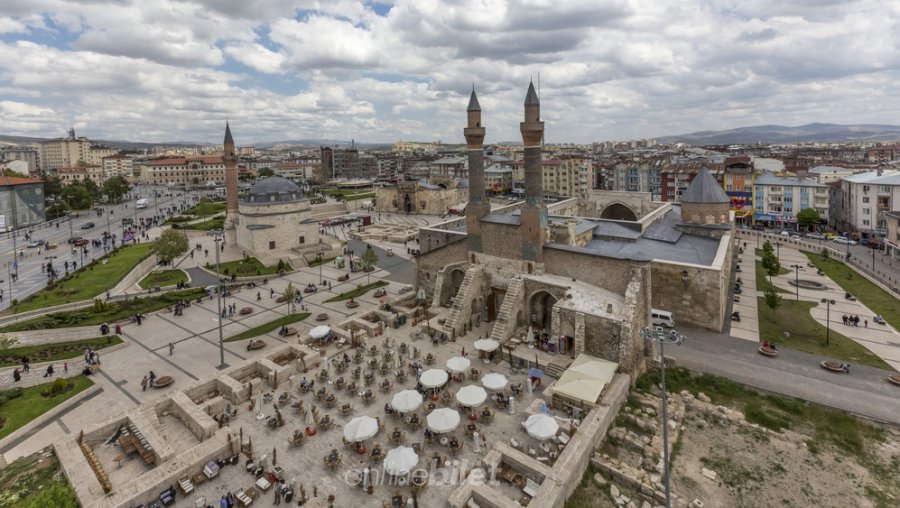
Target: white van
141, 203
662, 318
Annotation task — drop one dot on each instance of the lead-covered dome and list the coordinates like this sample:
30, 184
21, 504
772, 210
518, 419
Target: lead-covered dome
273, 189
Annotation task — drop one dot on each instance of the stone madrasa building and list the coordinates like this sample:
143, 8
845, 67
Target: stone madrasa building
584, 279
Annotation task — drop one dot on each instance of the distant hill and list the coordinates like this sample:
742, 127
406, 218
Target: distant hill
813, 132
113, 143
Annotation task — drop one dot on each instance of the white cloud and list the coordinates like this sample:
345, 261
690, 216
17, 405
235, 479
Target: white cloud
618, 69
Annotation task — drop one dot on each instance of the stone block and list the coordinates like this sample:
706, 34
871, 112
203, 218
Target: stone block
708, 473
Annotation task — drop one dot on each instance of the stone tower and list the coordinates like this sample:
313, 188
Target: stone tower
534, 213
704, 202
231, 178
478, 206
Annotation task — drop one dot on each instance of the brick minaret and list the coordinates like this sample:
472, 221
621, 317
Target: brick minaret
231, 178
534, 213
478, 206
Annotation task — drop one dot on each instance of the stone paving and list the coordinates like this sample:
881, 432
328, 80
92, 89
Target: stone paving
746, 304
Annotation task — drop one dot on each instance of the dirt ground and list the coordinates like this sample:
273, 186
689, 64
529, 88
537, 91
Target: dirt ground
756, 467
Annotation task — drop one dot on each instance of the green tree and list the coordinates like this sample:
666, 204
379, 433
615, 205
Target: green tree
264, 172
52, 187
767, 247
289, 293
77, 196
15, 174
92, 189
170, 245
772, 299
771, 265
115, 188
369, 259
808, 217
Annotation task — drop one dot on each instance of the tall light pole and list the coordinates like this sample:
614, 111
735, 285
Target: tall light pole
797, 279
218, 236
828, 303
778, 250
661, 337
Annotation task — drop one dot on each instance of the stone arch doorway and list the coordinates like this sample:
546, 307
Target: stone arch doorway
452, 282
407, 204
618, 211
540, 310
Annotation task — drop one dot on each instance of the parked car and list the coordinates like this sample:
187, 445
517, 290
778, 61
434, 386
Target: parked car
74, 239
844, 240
815, 236
35, 243
795, 236
87, 225
830, 236
785, 233
81, 242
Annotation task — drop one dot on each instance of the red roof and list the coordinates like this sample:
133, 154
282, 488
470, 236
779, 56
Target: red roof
15, 180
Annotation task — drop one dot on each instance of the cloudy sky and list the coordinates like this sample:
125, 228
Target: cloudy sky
160, 70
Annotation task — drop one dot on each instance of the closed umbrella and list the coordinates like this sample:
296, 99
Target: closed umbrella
494, 381
361, 428
406, 401
319, 332
458, 364
400, 461
541, 426
487, 345
471, 396
433, 378
443, 420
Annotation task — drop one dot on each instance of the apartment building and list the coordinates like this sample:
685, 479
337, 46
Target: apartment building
118, 165
865, 196
183, 171
778, 199
27, 155
568, 176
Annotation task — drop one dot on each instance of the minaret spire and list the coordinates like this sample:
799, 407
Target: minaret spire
478, 206
534, 212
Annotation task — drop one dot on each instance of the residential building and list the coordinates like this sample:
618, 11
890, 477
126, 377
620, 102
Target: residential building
569, 176
16, 153
183, 171
345, 163
63, 152
453, 166
738, 176
881, 154
118, 165
865, 196
778, 199
497, 179
892, 233
828, 174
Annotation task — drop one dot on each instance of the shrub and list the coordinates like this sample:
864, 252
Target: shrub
10, 394
58, 386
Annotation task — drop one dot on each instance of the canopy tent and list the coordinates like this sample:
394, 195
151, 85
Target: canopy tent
400, 461
433, 378
494, 381
487, 345
541, 426
406, 401
319, 332
585, 379
471, 396
361, 428
458, 364
443, 420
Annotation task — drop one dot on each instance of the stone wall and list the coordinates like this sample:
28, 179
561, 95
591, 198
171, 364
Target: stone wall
700, 301
501, 240
435, 201
605, 272
429, 264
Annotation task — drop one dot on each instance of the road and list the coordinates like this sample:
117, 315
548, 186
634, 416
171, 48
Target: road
30, 276
864, 391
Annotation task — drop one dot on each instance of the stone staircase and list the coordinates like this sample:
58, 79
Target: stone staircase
462, 302
554, 370
504, 327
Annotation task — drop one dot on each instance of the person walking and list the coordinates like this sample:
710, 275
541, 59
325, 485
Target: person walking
65, 367
144, 384
171, 348
258, 296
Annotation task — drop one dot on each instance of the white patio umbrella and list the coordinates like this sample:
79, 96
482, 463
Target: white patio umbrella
471, 396
458, 364
400, 461
443, 420
541, 426
432, 378
319, 332
487, 345
406, 401
361, 428
494, 381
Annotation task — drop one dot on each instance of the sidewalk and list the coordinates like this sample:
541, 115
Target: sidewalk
748, 327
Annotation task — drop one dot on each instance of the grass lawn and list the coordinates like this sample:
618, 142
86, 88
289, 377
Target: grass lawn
104, 312
829, 427
163, 278
762, 280
359, 291
324, 261
90, 281
36, 481
58, 351
268, 327
22, 410
246, 268
207, 225
872, 296
206, 208
809, 336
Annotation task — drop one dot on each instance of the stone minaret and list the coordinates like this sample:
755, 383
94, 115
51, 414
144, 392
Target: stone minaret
231, 178
478, 206
534, 213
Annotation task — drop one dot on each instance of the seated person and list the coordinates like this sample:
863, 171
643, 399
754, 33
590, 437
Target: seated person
765, 344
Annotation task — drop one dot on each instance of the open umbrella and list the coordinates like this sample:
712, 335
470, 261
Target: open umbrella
541, 426
494, 381
471, 396
384, 299
406, 401
319, 332
487, 345
432, 378
361, 428
535, 373
400, 461
458, 364
443, 420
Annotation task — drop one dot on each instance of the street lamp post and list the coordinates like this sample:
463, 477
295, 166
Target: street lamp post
319, 261
218, 236
828, 303
778, 250
661, 337
797, 279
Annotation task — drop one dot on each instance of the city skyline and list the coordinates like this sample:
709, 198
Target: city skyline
388, 71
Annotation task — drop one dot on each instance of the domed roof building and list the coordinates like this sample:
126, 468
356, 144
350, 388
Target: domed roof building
273, 189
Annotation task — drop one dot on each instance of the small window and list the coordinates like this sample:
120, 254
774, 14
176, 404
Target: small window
302, 240
271, 245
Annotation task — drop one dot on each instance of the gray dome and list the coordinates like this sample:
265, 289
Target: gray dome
273, 189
